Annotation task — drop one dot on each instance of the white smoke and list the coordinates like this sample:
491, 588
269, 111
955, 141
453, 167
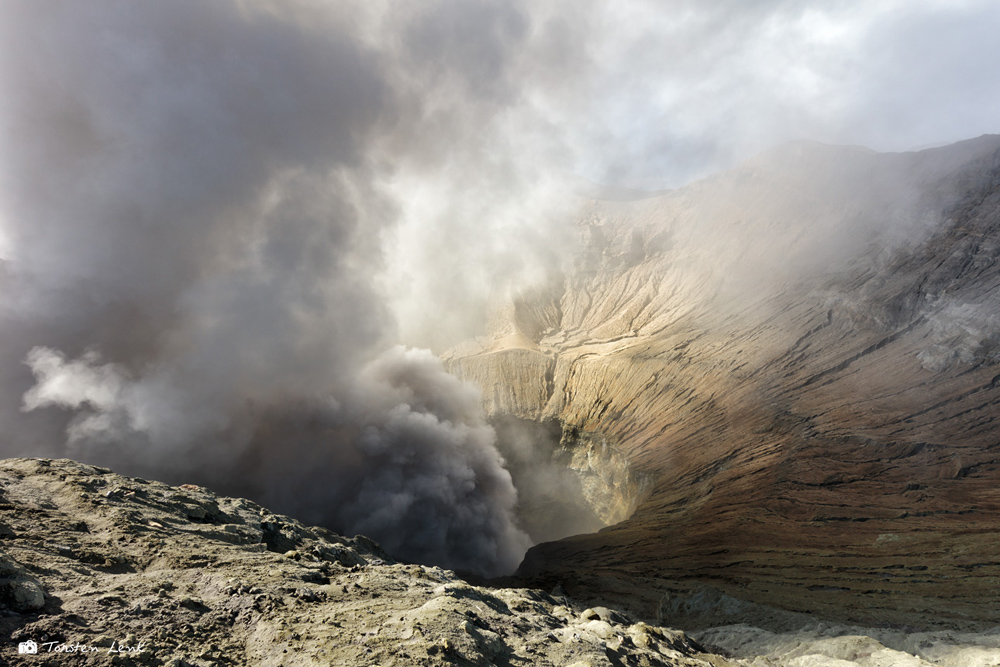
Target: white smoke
960, 333
98, 392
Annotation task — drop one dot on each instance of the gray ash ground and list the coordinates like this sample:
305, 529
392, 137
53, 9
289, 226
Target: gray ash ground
101, 569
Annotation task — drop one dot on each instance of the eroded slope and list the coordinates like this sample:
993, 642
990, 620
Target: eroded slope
802, 354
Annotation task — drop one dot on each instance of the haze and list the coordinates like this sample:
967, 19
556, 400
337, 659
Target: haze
219, 221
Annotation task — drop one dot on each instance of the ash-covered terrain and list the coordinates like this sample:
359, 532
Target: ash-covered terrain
101, 569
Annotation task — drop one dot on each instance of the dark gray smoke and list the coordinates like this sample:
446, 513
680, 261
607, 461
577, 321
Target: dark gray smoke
404, 453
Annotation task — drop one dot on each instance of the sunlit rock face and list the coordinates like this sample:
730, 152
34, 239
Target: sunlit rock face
800, 357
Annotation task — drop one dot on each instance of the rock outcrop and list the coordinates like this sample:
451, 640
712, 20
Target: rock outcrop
100, 569
801, 356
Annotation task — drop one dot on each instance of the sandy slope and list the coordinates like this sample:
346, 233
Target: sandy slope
802, 355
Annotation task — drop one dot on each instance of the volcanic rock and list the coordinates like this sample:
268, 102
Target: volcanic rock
102, 569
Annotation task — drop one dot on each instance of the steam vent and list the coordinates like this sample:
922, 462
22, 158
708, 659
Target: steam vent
789, 374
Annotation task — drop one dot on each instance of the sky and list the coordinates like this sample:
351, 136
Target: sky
224, 226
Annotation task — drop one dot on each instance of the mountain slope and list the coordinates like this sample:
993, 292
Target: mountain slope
802, 355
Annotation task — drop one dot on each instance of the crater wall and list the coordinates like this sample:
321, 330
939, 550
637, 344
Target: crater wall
801, 357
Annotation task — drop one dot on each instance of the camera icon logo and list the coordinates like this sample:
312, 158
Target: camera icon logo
27, 647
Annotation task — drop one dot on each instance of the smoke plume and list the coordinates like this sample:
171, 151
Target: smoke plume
195, 230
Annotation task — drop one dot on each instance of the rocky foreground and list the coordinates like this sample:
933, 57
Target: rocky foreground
99, 569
